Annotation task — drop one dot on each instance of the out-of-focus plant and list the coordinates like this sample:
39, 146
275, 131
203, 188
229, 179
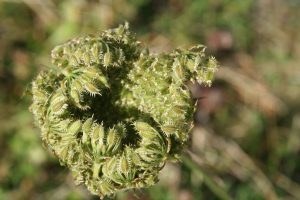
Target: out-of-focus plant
208, 18
114, 113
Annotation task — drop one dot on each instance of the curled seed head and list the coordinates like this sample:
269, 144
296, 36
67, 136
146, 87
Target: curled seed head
144, 108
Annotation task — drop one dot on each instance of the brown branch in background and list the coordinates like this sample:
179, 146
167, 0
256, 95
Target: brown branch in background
252, 91
287, 185
233, 159
44, 9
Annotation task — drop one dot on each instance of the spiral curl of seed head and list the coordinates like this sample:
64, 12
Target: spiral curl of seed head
112, 112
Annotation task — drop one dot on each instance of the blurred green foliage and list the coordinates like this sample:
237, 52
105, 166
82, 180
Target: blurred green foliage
249, 137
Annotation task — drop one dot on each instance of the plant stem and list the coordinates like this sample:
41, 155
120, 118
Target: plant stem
210, 183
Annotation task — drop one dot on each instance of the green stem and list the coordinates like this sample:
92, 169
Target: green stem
210, 183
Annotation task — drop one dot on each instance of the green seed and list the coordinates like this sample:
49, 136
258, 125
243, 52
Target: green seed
75, 127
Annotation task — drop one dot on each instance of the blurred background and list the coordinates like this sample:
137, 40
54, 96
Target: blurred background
247, 141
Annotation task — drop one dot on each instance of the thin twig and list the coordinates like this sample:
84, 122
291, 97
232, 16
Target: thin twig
211, 184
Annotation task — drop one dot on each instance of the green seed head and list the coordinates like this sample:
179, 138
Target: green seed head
114, 113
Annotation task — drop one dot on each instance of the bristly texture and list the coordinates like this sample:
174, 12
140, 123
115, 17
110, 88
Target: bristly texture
114, 113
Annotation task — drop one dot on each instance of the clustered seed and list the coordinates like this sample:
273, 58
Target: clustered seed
112, 112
